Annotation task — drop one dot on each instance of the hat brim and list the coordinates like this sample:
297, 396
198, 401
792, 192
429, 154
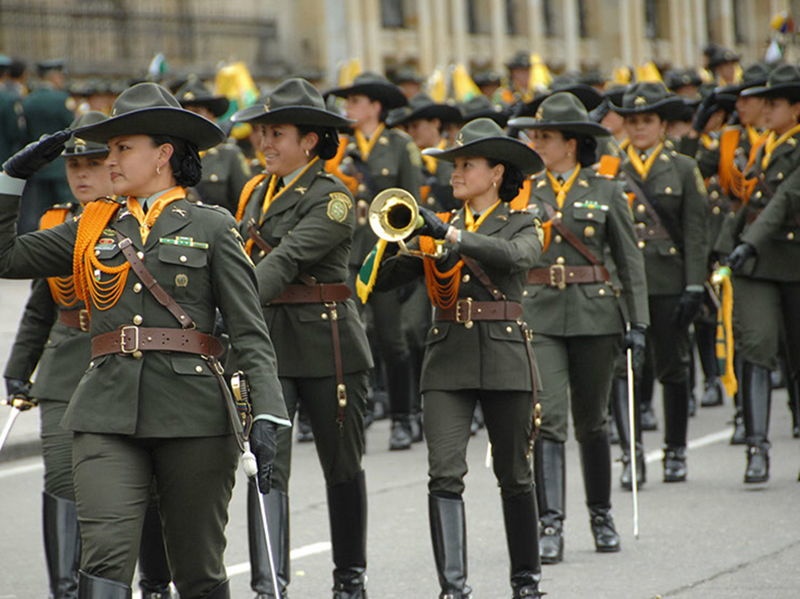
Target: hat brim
588, 96
217, 105
293, 115
498, 116
504, 149
175, 122
70, 152
443, 112
790, 91
580, 127
664, 108
387, 94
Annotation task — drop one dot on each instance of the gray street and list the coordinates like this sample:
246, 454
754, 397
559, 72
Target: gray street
709, 538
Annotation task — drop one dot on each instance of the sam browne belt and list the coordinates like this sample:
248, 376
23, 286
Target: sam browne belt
133, 340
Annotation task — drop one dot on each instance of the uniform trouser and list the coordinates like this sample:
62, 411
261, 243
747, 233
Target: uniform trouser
387, 318
417, 316
447, 416
56, 450
764, 313
339, 449
575, 373
194, 479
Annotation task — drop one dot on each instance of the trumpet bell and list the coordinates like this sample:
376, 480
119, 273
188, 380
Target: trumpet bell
394, 215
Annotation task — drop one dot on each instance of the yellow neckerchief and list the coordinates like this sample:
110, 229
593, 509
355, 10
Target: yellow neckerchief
430, 162
562, 189
625, 144
755, 136
271, 196
365, 145
707, 141
472, 225
774, 142
643, 168
146, 221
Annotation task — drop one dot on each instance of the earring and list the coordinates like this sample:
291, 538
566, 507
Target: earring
494, 184
308, 153
158, 170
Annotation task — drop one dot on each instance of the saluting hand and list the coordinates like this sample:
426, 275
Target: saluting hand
264, 444
36, 154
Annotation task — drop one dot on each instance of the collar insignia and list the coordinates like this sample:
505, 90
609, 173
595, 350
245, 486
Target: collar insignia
179, 211
300, 190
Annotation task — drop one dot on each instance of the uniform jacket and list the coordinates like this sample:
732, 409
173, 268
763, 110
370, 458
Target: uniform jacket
310, 226
490, 354
12, 123
596, 212
163, 394
225, 171
61, 352
675, 185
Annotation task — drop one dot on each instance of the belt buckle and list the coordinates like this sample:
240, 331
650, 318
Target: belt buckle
464, 315
83, 320
123, 348
558, 276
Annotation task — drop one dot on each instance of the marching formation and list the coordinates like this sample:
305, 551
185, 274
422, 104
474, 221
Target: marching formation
206, 274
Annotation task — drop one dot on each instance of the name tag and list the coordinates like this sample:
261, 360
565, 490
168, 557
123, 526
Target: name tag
187, 242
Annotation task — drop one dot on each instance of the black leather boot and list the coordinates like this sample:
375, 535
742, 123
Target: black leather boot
674, 464
62, 545
347, 512
304, 433
705, 338
92, 587
713, 394
221, 591
619, 403
276, 506
793, 388
449, 539
399, 375
400, 435
521, 521
644, 395
596, 466
756, 402
154, 572
549, 471
739, 436
676, 422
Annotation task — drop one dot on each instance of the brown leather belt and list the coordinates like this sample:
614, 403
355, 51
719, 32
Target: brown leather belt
321, 293
467, 310
134, 340
75, 319
559, 275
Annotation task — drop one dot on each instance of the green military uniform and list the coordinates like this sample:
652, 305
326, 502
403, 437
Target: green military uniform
477, 351
12, 122
225, 172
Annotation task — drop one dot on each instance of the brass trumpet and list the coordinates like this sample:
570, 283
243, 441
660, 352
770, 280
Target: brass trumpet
394, 215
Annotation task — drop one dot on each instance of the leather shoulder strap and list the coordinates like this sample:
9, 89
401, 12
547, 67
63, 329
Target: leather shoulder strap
570, 236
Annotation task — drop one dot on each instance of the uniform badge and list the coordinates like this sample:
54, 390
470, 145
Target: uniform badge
181, 279
339, 206
300, 190
179, 211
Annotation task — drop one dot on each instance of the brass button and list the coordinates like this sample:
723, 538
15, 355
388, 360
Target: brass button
362, 187
641, 209
509, 330
384, 171
588, 231
560, 260
601, 291
667, 189
557, 239
558, 214
198, 369
97, 252
641, 244
714, 194
525, 293
758, 194
262, 253
91, 364
465, 279
137, 319
590, 215
183, 258
779, 176
324, 316
140, 255
715, 210
214, 177
790, 235
640, 225
673, 250
435, 330
137, 355
469, 324
137, 287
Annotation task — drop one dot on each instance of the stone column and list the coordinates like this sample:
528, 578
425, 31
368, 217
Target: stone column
373, 60
498, 35
427, 60
458, 29
571, 34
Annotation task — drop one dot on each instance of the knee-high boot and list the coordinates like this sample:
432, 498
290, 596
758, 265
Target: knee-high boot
347, 511
676, 422
549, 471
154, 572
449, 540
739, 436
92, 587
705, 337
756, 400
221, 591
596, 465
62, 545
521, 521
276, 506
619, 401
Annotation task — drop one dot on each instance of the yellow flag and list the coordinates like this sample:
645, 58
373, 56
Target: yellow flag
437, 85
540, 78
464, 88
648, 72
349, 71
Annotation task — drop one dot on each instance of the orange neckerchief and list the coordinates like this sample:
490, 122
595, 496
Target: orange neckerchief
443, 287
365, 145
146, 221
643, 168
62, 289
247, 191
773, 142
732, 180
562, 189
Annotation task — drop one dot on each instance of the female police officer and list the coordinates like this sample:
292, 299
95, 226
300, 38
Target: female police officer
572, 307
477, 348
148, 406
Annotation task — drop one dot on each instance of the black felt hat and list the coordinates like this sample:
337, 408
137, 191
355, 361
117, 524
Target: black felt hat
373, 86
194, 93
755, 75
783, 82
717, 55
649, 96
422, 106
479, 107
562, 111
77, 146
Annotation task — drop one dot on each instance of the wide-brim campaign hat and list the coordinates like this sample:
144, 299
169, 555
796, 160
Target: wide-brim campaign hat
564, 112
373, 86
422, 106
586, 94
717, 55
481, 107
520, 60
649, 96
484, 138
678, 78
77, 146
755, 75
194, 93
295, 102
149, 109
783, 82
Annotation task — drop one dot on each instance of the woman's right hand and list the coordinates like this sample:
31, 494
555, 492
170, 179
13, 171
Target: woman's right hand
264, 445
36, 154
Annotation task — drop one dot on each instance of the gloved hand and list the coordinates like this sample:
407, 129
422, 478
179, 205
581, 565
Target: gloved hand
19, 394
264, 444
688, 308
740, 254
636, 341
704, 112
36, 154
434, 226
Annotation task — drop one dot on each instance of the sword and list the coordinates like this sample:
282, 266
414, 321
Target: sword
15, 411
632, 438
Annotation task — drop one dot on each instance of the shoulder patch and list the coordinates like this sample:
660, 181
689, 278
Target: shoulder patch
414, 154
339, 206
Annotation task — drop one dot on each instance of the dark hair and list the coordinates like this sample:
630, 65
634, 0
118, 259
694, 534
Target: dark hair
512, 180
585, 147
185, 160
328, 143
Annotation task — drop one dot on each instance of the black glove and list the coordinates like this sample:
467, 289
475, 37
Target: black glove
19, 394
264, 444
704, 112
636, 341
688, 308
740, 254
434, 226
36, 154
